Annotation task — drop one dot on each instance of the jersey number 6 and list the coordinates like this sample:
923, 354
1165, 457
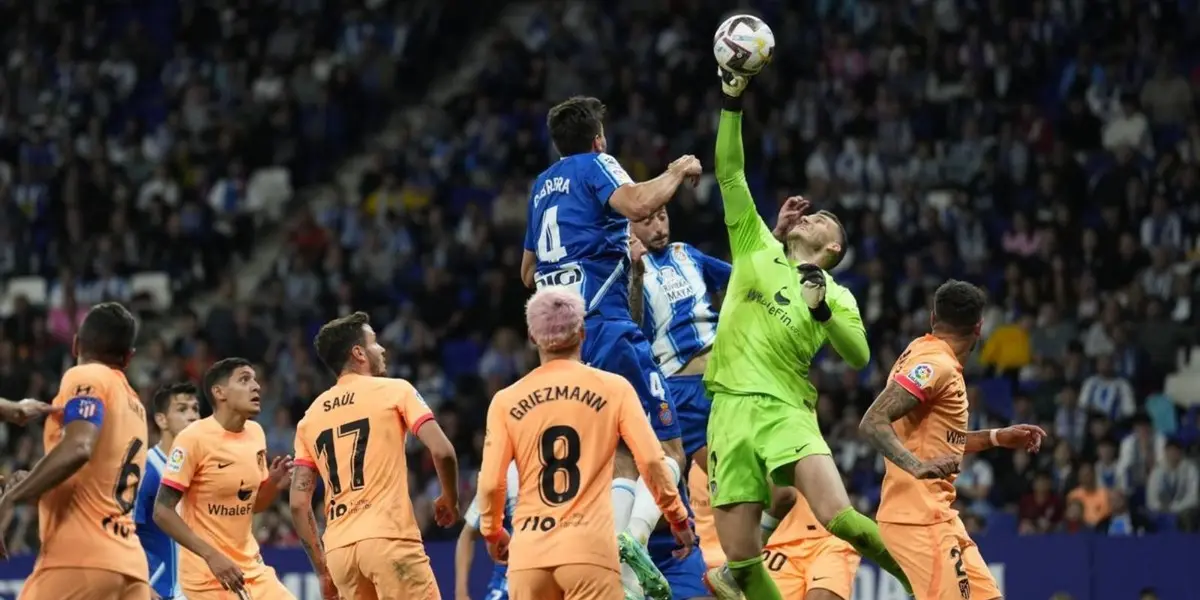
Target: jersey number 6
560, 465
360, 430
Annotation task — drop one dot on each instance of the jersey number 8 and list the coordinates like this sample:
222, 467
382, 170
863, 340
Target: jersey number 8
560, 477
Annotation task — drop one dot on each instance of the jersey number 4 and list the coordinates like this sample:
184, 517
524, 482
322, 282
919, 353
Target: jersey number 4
560, 479
550, 248
360, 430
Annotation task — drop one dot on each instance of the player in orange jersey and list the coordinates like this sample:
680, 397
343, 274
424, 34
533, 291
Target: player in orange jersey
806, 561
218, 469
87, 483
919, 423
561, 424
706, 530
353, 436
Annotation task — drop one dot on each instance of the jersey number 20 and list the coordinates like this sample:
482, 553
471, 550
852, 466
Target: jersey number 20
560, 465
550, 248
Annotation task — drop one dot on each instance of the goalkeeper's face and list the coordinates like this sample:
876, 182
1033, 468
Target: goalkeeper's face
654, 231
816, 233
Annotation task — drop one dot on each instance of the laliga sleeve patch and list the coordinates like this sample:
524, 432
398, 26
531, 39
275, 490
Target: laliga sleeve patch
420, 398
175, 461
921, 374
614, 169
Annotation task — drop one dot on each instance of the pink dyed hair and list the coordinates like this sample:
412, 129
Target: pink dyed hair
555, 315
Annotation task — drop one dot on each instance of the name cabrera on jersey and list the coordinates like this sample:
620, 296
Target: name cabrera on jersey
679, 317
579, 240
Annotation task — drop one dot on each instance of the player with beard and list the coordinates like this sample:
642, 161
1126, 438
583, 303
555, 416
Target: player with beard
780, 309
919, 423
353, 437
218, 470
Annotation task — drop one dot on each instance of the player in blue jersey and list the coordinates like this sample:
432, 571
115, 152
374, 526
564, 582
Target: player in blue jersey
672, 293
464, 552
578, 236
175, 407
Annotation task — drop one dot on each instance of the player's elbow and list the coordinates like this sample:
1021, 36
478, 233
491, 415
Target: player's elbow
77, 450
629, 200
729, 175
869, 423
858, 360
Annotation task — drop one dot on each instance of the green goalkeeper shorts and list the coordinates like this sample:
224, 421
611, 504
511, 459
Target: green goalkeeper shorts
754, 440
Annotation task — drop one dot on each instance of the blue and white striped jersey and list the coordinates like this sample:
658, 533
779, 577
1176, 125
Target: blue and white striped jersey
679, 317
161, 551
579, 240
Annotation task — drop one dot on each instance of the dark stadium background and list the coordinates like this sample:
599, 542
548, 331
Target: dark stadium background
240, 171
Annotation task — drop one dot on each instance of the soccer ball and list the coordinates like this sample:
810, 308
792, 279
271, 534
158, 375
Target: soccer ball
743, 44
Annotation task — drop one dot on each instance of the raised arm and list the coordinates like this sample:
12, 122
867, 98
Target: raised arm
493, 472
637, 271
637, 201
747, 231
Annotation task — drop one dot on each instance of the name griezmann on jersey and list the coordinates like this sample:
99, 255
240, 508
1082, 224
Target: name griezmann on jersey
552, 394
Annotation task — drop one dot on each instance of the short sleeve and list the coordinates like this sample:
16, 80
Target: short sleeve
301, 455
143, 510
183, 461
413, 409
264, 459
923, 375
604, 175
84, 396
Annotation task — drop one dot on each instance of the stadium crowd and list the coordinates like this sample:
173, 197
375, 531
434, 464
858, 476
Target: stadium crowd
1047, 152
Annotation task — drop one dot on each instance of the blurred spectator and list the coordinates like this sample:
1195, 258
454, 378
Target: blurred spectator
1041, 508
1174, 488
1093, 498
1107, 393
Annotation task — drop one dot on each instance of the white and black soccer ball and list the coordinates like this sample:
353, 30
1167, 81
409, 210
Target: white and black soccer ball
743, 44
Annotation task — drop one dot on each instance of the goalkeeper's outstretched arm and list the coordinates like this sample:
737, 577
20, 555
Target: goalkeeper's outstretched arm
747, 231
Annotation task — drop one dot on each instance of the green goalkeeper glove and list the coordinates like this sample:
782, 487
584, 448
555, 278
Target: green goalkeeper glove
733, 85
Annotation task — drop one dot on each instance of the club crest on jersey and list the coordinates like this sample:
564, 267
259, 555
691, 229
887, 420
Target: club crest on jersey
921, 374
175, 461
679, 251
664, 414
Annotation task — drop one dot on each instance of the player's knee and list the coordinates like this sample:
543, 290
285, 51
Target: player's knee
674, 450
783, 498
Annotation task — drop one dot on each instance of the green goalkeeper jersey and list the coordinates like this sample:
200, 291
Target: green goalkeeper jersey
766, 337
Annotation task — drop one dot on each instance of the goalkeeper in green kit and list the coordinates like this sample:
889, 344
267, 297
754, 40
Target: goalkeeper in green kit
763, 439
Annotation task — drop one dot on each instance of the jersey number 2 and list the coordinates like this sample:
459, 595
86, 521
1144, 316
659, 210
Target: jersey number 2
361, 431
560, 465
550, 248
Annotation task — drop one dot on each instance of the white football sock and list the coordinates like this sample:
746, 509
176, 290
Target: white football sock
645, 511
623, 500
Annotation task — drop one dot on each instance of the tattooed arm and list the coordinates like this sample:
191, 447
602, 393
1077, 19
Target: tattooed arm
300, 501
876, 428
636, 301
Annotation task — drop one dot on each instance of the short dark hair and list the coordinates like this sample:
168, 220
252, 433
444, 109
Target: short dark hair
219, 373
958, 305
843, 242
574, 124
162, 396
338, 337
107, 333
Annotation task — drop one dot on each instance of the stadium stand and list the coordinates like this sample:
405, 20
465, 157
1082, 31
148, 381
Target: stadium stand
1046, 151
